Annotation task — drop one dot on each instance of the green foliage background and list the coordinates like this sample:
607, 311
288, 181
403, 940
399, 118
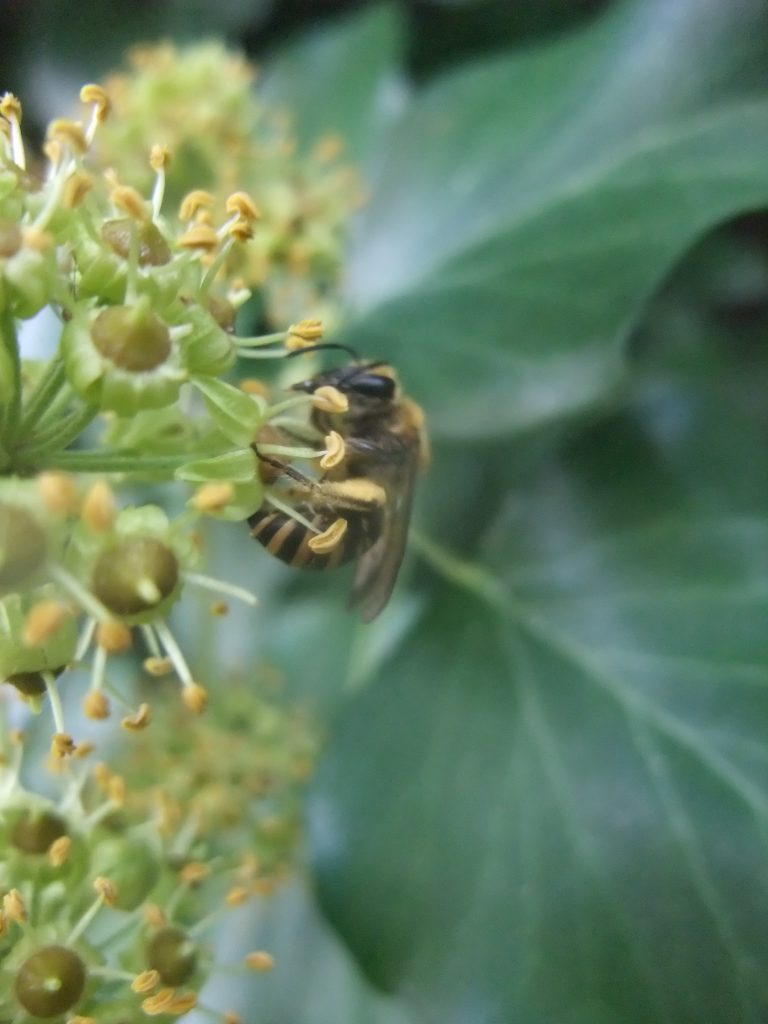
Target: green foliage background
544, 795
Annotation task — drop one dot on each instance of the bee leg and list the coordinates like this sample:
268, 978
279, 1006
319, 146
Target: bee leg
284, 468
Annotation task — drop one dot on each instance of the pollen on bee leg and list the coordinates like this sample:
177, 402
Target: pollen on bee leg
329, 399
335, 450
329, 539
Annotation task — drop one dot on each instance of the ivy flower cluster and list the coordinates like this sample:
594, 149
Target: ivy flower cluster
100, 916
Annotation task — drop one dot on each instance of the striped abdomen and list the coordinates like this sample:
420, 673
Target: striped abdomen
288, 540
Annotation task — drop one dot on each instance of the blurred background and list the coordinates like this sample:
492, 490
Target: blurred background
543, 793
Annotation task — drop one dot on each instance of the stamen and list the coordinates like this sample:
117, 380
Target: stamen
221, 587
10, 109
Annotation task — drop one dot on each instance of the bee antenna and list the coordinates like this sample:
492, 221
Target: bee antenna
327, 344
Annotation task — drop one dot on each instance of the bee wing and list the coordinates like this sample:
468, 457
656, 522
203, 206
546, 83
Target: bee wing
376, 570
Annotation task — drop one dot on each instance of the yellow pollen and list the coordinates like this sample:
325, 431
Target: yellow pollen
116, 790
139, 720
68, 133
96, 95
76, 188
105, 890
242, 204
182, 1003
62, 745
10, 107
114, 637
58, 851
98, 511
240, 230
153, 1006
304, 333
237, 896
251, 386
219, 608
14, 907
36, 239
58, 492
159, 157
230, 1017
195, 697
260, 961
335, 450
126, 198
84, 749
329, 399
43, 620
51, 148
194, 873
154, 915
95, 705
213, 497
326, 541
199, 236
194, 201
145, 981
158, 667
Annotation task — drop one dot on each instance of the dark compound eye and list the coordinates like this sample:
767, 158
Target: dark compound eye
372, 385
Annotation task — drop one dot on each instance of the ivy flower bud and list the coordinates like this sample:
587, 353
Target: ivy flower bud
173, 954
23, 545
152, 248
135, 577
123, 358
50, 981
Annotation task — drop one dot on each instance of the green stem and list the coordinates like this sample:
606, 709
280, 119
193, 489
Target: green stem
8, 340
105, 461
58, 435
45, 390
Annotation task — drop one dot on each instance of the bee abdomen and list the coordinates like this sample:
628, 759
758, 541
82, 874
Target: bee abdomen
288, 540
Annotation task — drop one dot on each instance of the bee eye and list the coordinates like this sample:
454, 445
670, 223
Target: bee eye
372, 385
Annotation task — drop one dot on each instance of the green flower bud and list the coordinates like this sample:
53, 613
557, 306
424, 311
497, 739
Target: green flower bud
22, 544
50, 981
133, 338
135, 575
10, 238
153, 249
131, 864
31, 277
173, 954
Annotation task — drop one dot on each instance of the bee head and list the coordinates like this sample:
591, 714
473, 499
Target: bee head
370, 388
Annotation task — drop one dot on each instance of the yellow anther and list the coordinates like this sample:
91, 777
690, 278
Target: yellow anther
58, 492
99, 508
51, 148
154, 916
114, 637
251, 386
95, 705
237, 896
14, 907
158, 666
335, 450
139, 720
105, 890
329, 539
213, 497
96, 96
68, 133
159, 157
84, 749
230, 1017
193, 201
145, 981
329, 399
126, 198
182, 1003
195, 697
304, 333
62, 745
242, 204
219, 608
199, 236
10, 107
328, 148
43, 620
36, 239
260, 961
153, 1006
240, 230
59, 850
194, 873
76, 188
116, 790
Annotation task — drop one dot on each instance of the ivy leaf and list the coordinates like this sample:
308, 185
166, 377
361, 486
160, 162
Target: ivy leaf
524, 210
553, 804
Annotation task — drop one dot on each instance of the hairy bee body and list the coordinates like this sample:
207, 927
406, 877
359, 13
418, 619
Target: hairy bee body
372, 488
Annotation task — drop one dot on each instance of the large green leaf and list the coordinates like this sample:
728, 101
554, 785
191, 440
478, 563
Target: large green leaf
525, 209
553, 804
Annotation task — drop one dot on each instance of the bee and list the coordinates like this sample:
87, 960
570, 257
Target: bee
372, 488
